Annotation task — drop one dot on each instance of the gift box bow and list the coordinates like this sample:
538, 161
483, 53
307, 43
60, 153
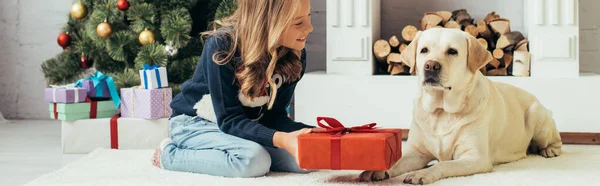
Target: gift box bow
151, 67
337, 129
97, 78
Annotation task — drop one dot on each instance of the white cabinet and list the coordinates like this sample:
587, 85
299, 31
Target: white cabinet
352, 27
552, 27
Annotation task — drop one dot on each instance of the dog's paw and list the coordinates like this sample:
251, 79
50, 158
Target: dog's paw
550, 152
374, 175
420, 177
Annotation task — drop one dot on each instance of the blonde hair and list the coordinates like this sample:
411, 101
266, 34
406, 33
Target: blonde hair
255, 29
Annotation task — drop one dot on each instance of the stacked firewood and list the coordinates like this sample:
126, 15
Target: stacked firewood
508, 47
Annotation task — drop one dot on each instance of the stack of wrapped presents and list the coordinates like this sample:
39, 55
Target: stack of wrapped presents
95, 114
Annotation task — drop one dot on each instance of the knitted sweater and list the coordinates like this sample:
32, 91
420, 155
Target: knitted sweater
213, 94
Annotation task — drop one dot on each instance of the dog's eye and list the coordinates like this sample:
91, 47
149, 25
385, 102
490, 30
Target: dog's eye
452, 51
424, 50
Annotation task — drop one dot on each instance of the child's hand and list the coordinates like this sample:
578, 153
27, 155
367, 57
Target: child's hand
289, 141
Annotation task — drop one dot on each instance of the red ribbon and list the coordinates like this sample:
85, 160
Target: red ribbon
337, 129
93, 108
114, 133
55, 112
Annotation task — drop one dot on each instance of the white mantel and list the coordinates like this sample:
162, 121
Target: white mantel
348, 90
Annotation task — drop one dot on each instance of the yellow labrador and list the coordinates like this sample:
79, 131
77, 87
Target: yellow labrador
462, 119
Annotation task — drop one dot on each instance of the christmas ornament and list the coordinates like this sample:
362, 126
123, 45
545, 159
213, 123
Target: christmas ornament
64, 40
104, 30
123, 5
172, 51
78, 11
85, 62
146, 37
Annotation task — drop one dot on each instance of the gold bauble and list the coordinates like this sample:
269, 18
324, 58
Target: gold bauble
146, 37
104, 30
78, 11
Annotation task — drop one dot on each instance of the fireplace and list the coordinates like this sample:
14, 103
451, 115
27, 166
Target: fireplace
550, 26
350, 90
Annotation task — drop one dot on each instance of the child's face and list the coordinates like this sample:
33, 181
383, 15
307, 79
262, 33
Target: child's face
294, 36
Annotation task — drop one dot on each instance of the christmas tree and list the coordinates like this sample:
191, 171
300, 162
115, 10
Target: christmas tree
118, 37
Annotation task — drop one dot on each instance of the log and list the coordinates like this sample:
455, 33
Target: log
508, 59
398, 68
427, 27
394, 58
452, 24
402, 47
497, 72
509, 39
484, 30
430, 19
409, 32
498, 53
522, 46
490, 16
495, 63
471, 29
446, 16
500, 26
394, 42
483, 42
520, 63
395, 64
381, 49
462, 17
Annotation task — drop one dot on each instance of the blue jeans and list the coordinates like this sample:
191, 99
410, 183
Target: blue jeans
199, 146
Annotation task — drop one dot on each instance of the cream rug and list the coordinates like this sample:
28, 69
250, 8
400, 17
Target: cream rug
579, 165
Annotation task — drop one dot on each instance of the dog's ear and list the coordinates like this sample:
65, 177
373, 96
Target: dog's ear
409, 54
478, 56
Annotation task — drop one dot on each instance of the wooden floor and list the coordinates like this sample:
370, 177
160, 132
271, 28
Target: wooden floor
29, 149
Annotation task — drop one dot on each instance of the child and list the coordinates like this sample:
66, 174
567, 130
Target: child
230, 119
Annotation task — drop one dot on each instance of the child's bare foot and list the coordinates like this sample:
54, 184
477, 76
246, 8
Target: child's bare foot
156, 160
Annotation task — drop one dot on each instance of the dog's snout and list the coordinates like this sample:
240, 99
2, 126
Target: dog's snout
432, 66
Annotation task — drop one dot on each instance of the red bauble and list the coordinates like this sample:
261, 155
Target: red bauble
64, 40
123, 5
85, 62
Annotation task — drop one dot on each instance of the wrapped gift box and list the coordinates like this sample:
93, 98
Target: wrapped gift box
146, 104
85, 110
100, 86
65, 95
336, 147
154, 77
98, 91
83, 136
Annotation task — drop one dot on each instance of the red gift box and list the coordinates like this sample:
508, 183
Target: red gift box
337, 147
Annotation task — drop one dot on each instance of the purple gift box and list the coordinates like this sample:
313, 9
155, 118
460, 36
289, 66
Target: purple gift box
146, 104
65, 95
100, 91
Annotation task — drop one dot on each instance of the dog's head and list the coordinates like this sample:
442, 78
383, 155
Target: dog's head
445, 59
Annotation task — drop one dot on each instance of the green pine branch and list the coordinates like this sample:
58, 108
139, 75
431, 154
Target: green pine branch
151, 54
128, 78
226, 8
175, 28
63, 69
122, 46
142, 16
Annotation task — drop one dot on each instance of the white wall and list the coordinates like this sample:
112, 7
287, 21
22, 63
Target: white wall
27, 41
